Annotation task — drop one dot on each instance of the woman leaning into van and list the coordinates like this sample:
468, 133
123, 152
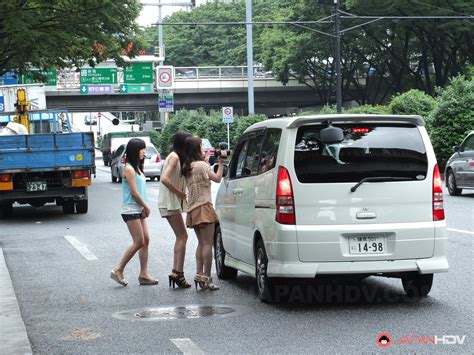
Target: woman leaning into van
171, 199
135, 212
200, 213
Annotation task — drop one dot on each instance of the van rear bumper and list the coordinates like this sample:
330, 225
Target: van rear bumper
312, 270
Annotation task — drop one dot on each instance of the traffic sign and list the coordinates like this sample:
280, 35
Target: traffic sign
96, 89
138, 73
165, 77
50, 74
228, 114
134, 89
98, 76
9, 78
166, 101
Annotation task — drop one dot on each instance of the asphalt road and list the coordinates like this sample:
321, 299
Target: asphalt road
60, 264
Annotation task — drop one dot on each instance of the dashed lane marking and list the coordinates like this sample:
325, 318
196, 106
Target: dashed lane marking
187, 346
81, 248
460, 231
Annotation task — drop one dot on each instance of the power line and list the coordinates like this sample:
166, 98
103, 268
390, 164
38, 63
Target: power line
439, 8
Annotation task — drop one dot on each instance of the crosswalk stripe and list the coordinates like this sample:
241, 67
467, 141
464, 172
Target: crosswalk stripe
81, 248
460, 231
187, 346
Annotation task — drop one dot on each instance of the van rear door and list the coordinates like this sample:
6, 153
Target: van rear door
368, 197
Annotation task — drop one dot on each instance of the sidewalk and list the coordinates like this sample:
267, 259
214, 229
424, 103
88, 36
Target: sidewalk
13, 337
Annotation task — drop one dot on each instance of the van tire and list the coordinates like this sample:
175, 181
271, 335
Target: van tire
6, 210
223, 272
82, 206
451, 184
417, 285
265, 284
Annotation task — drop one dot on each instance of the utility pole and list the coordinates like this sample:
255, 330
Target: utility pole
248, 18
337, 57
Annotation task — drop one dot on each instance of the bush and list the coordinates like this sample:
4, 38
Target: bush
453, 117
412, 102
241, 123
369, 109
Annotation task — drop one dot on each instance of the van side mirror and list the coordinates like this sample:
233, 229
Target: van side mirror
455, 148
331, 135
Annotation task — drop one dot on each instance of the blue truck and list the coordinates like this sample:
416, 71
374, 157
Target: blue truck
50, 164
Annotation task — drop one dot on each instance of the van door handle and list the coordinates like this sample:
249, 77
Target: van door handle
366, 215
237, 192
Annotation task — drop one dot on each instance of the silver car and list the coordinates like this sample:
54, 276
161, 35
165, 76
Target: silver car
459, 172
152, 165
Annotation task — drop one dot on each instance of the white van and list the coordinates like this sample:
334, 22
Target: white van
332, 195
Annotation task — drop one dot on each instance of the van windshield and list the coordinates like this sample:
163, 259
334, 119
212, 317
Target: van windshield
367, 150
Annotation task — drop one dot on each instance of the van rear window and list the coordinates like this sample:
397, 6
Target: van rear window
367, 150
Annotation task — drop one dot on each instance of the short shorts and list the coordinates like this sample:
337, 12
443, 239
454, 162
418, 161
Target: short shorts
164, 212
131, 217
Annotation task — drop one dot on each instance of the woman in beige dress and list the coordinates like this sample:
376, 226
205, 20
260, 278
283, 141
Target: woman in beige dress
171, 201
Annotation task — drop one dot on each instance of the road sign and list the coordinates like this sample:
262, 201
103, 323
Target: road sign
228, 114
166, 101
138, 73
96, 89
165, 77
9, 78
98, 76
134, 89
50, 74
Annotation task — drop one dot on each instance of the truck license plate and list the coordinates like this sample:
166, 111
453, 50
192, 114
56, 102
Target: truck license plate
32, 186
367, 244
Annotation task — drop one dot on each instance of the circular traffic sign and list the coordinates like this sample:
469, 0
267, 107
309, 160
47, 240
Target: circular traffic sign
164, 77
227, 111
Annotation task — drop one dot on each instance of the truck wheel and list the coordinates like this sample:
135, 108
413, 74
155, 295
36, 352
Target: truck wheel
6, 210
81, 206
417, 285
68, 207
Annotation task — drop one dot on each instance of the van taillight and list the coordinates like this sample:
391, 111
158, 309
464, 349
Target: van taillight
438, 206
158, 159
285, 207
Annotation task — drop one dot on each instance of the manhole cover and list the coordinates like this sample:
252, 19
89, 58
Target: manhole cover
176, 312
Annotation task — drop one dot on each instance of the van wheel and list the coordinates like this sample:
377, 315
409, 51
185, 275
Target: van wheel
68, 207
265, 284
223, 272
6, 210
451, 184
82, 206
417, 285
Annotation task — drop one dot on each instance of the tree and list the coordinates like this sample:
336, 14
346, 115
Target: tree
49, 34
453, 117
413, 102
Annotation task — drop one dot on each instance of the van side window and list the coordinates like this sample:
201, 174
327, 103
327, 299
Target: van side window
238, 160
469, 144
270, 146
253, 156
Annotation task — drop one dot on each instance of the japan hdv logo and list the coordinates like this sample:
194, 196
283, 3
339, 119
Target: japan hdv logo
384, 340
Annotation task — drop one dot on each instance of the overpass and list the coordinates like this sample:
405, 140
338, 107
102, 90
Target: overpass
195, 87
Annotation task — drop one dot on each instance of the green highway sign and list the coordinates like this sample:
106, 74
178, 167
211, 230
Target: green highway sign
96, 76
134, 89
50, 74
138, 73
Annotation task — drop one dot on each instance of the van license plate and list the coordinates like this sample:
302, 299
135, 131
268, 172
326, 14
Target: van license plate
32, 186
367, 245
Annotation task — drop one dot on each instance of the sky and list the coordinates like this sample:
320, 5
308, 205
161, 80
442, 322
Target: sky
149, 14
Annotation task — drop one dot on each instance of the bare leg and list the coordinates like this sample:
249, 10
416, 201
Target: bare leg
177, 224
199, 260
206, 235
135, 228
143, 252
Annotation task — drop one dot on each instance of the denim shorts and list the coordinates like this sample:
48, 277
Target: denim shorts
131, 217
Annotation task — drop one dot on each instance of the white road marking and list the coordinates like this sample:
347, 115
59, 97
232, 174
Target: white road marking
186, 346
81, 248
460, 231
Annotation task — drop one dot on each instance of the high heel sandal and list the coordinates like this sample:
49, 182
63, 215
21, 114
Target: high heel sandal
177, 278
197, 281
205, 282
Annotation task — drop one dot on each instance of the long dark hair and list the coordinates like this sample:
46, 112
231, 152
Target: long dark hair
178, 144
132, 152
192, 146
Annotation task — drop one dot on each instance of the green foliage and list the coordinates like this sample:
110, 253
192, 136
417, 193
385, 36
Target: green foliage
370, 109
155, 138
453, 117
241, 123
328, 110
412, 102
64, 33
